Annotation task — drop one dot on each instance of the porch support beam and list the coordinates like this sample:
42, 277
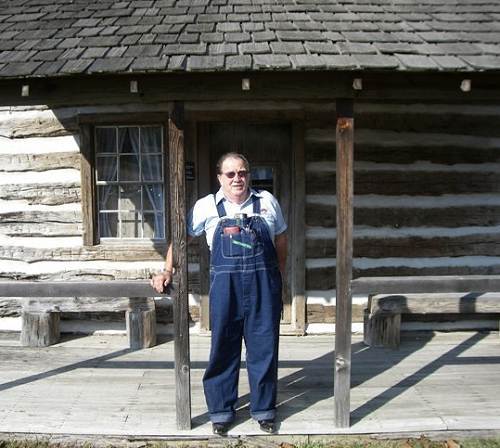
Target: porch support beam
179, 246
298, 278
203, 149
343, 320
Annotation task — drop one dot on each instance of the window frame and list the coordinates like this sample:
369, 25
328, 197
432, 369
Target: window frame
87, 124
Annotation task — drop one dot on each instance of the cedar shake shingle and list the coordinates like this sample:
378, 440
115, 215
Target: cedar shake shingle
42, 38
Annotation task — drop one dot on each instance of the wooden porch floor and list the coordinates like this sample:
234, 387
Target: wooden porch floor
96, 385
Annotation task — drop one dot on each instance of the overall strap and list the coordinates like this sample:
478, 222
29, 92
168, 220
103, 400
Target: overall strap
256, 205
221, 210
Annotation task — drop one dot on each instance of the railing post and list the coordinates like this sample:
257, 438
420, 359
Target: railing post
179, 246
343, 319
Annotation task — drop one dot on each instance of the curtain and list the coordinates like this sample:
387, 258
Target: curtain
147, 145
130, 158
107, 170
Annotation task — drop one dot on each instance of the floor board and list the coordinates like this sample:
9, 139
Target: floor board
96, 385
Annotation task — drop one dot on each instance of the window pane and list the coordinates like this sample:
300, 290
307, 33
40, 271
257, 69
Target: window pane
130, 225
262, 178
107, 168
262, 173
105, 140
151, 139
130, 197
129, 168
108, 225
152, 197
151, 168
108, 197
154, 225
128, 140
130, 160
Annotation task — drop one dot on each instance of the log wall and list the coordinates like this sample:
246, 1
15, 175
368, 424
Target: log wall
40, 208
426, 185
427, 178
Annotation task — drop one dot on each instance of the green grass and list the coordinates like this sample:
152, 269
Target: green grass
481, 443
337, 442
403, 443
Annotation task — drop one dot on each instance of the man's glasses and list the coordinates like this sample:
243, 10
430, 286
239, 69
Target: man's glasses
232, 174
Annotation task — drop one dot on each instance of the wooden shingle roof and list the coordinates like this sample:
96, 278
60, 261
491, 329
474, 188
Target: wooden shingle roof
44, 38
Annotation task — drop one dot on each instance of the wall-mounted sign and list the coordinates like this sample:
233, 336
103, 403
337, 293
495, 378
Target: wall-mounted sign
189, 167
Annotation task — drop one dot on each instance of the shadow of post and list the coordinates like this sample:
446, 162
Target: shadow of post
85, 364
468, 302
403, 385
311, 381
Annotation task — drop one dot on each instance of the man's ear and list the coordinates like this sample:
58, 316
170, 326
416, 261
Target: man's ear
219, 179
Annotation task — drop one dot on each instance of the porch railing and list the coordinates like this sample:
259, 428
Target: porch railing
46, 290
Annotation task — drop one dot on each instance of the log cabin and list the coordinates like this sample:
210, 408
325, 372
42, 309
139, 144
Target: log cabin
87, 89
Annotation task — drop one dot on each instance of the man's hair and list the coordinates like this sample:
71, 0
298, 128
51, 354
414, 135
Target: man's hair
231, 155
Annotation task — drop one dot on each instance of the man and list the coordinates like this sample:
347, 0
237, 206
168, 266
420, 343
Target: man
245, 231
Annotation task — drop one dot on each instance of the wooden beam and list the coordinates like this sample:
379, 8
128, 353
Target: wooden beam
265, 85
426, 284
88, 189
345, 145
96, 288
179, 245
203, 140
130, 117
299, 231
219, 86
228, 111
441, 303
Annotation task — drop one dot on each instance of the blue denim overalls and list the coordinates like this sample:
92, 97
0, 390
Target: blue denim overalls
245, 301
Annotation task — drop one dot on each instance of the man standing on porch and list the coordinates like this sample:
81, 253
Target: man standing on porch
245, 231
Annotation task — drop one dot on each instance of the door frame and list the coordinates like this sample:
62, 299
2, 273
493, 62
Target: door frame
200, 117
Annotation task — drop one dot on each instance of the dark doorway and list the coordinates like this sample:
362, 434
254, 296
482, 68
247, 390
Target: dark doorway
268, 148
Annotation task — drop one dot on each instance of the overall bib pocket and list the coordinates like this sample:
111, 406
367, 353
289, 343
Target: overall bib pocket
240, 244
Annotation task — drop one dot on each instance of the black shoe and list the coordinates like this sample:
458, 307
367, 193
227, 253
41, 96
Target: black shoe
267, 426
220, 429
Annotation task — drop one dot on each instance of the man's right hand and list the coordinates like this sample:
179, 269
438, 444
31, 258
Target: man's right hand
160, 281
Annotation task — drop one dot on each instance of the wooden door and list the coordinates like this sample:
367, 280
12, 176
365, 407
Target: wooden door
268, 148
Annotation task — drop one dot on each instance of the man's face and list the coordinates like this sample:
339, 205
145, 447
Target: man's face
234, 179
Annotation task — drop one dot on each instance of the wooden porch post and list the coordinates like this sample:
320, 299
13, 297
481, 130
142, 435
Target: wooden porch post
204, 189
343, 320
179, 246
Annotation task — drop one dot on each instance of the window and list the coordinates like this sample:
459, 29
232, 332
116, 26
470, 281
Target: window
129, 178
264, 178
